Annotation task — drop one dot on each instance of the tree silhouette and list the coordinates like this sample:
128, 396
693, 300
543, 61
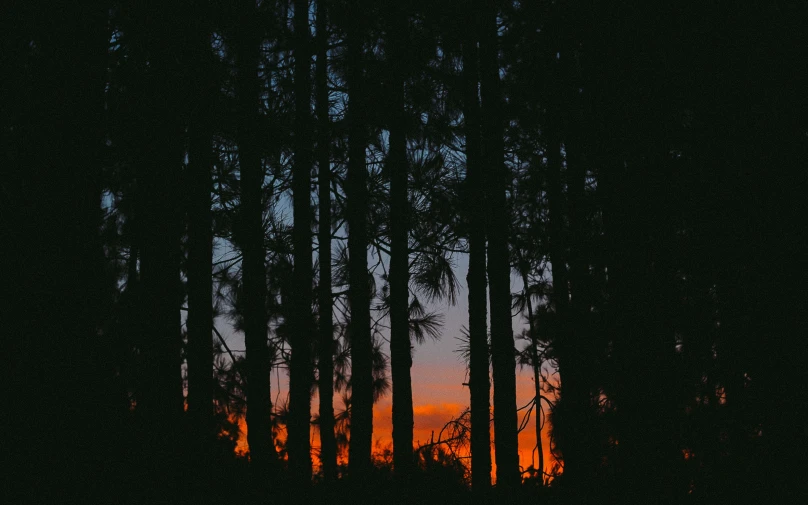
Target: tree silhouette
396, 163
356, 194
624, 181
301, 320
498, 265
328, 448
247, 43
479, 381
58, 285
200, 227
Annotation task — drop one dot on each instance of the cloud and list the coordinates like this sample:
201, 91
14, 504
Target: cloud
428, 417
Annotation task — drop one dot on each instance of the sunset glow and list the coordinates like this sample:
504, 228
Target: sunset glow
430, 418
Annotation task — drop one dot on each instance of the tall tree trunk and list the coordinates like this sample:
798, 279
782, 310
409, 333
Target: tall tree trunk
479, 379
640, 230
51, 116
579, 350
300, 372
254, 282
400, 347
359, 292
328, 443
643, 348
502, 345
567, 418
160, 250
582, 348
200, 237
159, 170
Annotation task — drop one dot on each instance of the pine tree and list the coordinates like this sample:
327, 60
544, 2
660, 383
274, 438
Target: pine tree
56, 282
479, 380
359, 296
397, 165
328, 445
496, 182
247, 43
301, 319
200, 227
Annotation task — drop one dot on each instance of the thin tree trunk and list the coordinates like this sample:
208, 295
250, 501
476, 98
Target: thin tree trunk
259, 402
300, 373
200, 242
502, 344
328, 443
479, 379
359, 295
400, 347
534, 356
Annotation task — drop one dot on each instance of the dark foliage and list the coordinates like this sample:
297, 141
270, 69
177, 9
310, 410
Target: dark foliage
626, 180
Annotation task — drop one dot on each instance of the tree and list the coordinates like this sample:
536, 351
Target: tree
52, 109
645, 194
496, 181
247, 43
397, 165
328, 445
568, 411
356, 193
157, 161
200, 228
479, 381
301, 320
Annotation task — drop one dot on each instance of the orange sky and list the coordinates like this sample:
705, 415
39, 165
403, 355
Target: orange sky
438, 375
444, 399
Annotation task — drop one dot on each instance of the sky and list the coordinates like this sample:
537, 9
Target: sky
438, 374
